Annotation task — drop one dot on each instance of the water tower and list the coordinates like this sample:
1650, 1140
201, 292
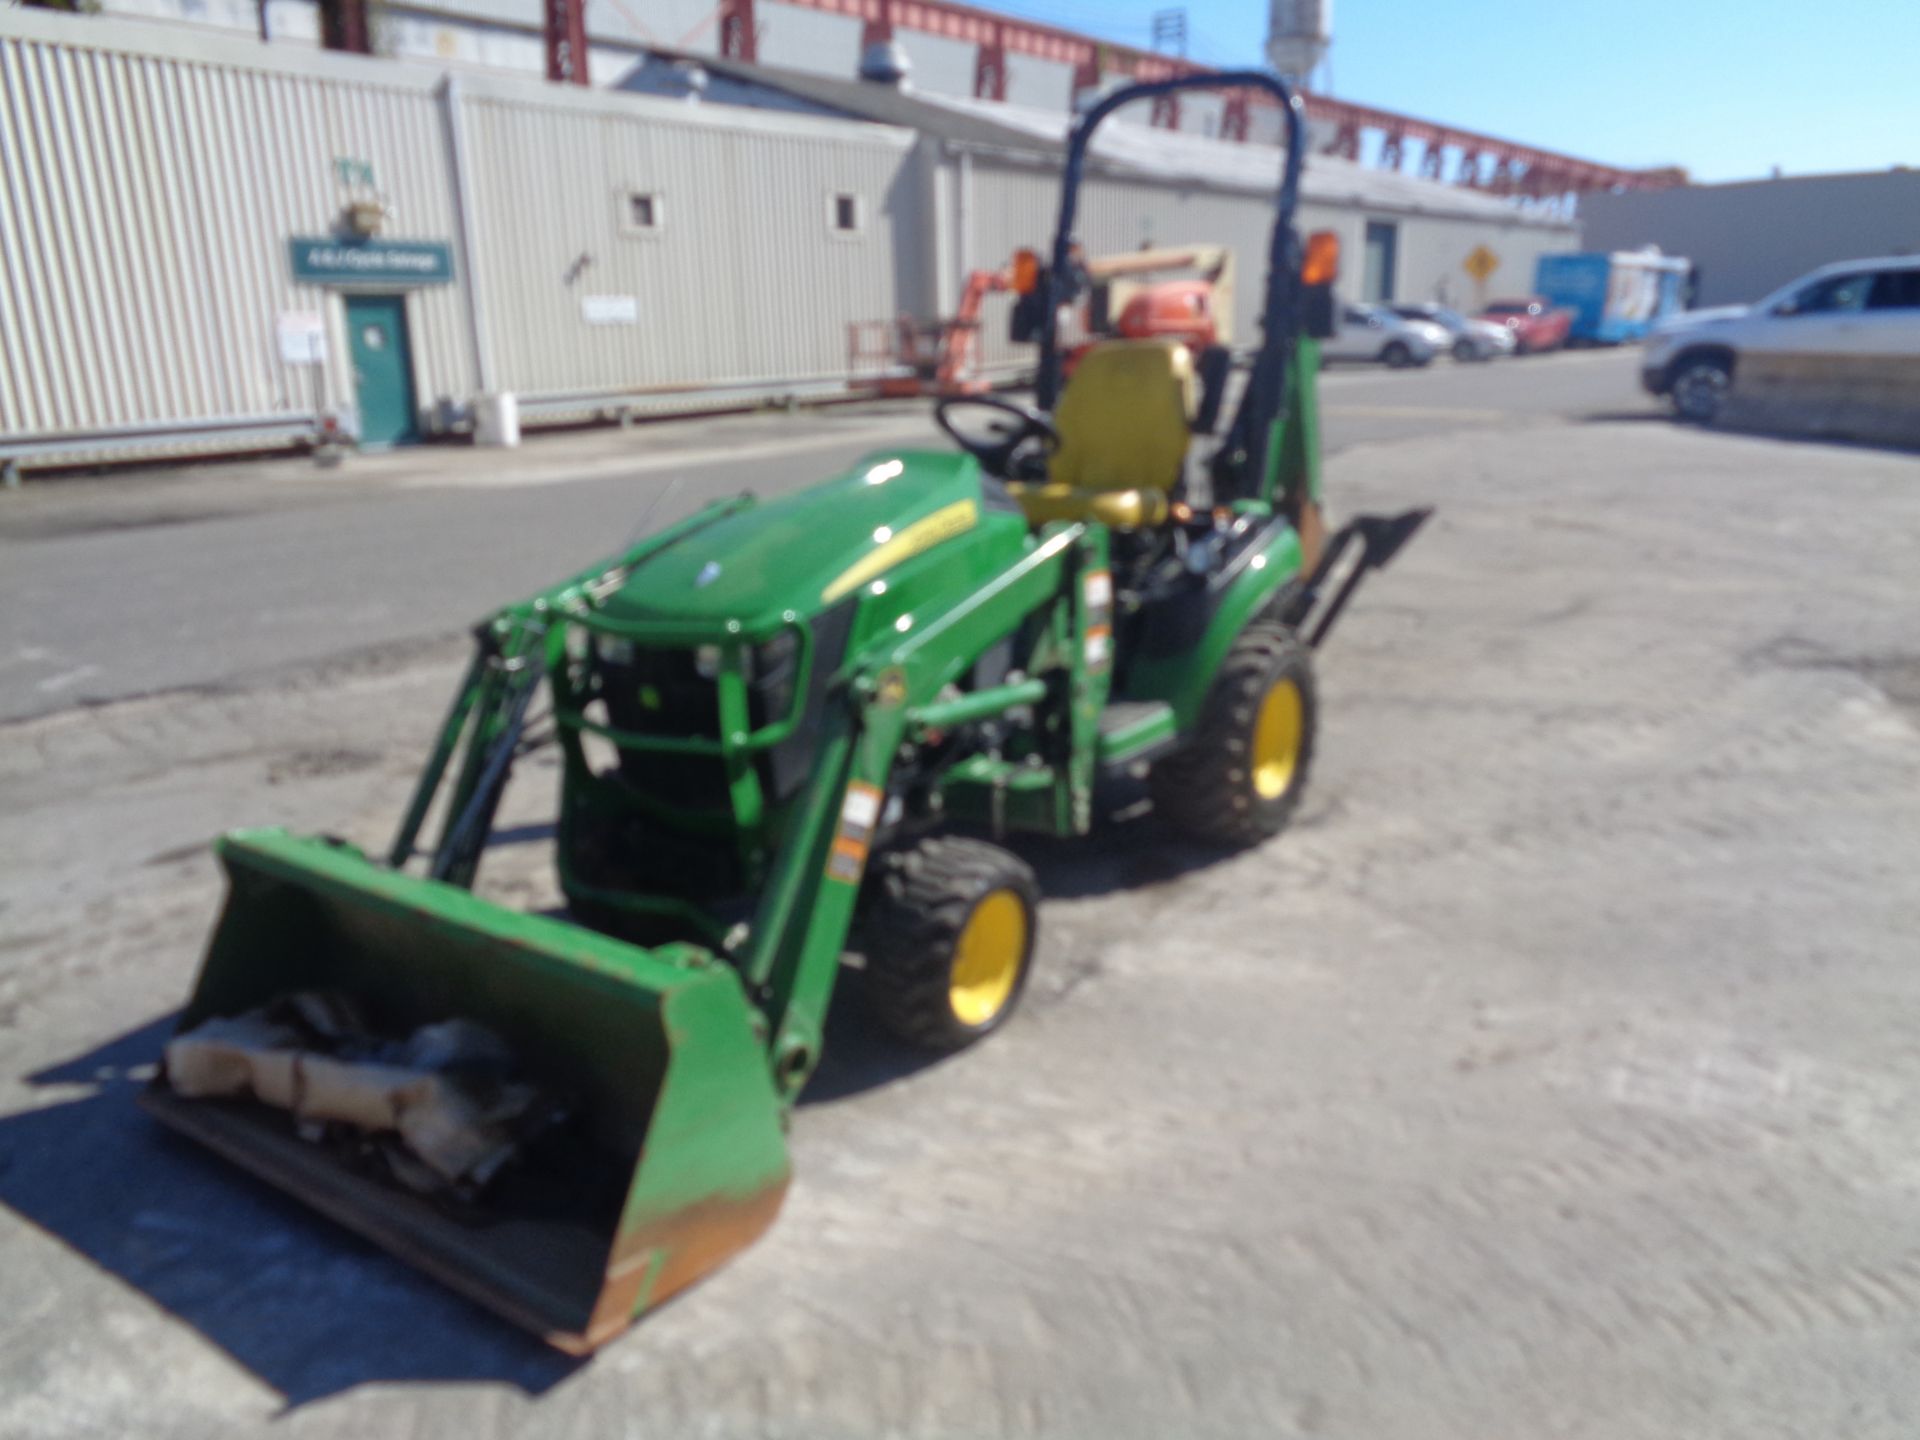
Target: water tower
1298, 34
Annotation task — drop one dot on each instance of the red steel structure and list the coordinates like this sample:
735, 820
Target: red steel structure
566, 32
1484, 161
1502, 166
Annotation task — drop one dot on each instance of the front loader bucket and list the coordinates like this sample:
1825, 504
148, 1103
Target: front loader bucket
674, 1160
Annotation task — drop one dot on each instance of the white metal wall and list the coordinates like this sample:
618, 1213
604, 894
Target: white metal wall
744, 280
1009, 205
1752, 237
145, 205
1433, 252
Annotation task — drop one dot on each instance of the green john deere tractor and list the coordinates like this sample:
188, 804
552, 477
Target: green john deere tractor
788, 728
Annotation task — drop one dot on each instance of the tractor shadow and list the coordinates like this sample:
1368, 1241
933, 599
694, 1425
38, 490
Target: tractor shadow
306, 1306
858, 1054
1129, 850
1121, 854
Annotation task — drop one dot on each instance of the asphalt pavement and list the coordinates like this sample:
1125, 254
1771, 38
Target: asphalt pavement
136, 582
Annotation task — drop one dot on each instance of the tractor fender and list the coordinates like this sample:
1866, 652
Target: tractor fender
1233, 598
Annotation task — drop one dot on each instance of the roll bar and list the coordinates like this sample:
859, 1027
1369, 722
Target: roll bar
1279, 316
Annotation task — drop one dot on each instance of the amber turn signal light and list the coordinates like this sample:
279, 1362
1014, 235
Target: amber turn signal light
1322, 265
1026, 272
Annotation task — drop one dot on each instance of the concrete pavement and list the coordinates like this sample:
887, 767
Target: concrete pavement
1551, 1076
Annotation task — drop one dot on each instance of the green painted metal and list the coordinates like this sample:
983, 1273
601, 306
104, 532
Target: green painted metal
1005, 797
1149, 730
979, 705
736, 734
755, 567
1293, 463
405, 843
1183, 680
659, 1048
801, 926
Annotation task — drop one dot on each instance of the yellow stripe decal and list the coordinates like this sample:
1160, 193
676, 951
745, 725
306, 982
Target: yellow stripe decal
943, 524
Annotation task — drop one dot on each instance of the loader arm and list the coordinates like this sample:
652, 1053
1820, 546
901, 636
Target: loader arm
513, 650
800, 930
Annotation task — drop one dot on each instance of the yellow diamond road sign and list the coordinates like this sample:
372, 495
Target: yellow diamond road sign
1481, 263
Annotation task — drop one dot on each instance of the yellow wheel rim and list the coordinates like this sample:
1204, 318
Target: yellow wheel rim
987, 961
1277, 734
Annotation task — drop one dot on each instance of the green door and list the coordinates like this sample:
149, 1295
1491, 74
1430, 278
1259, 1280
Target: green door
382, 368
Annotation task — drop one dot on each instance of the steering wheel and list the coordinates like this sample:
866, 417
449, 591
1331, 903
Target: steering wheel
996, 455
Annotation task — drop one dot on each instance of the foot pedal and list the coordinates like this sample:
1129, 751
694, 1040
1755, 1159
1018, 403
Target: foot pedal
1135, 732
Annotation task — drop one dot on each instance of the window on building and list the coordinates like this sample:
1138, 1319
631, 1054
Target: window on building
1381, 259
642, 212
846, 214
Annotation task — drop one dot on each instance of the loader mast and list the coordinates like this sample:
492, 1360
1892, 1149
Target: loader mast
800, 930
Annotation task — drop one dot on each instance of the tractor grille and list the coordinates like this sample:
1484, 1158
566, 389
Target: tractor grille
683, 838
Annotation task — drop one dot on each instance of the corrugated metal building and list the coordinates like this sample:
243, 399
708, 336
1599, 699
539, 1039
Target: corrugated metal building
1752, 237
597, 246
505, 35
173, 245
995, 171
148, 191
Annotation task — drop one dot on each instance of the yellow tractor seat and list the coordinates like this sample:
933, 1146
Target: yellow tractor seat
1124, 422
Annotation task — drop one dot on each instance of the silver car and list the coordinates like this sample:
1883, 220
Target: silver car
1372, 332
1465, 339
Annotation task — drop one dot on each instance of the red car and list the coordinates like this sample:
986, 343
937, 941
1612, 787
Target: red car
1536, 325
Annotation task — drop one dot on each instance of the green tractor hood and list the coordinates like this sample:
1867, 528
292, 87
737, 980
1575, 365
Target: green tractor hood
803, 552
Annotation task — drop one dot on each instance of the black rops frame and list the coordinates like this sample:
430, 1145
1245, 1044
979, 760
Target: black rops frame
1266, 387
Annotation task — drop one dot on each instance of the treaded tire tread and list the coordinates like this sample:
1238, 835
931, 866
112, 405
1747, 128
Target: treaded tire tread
921, 901
1206, 788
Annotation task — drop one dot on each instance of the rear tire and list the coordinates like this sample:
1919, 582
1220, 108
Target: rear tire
949, 934
1240, 778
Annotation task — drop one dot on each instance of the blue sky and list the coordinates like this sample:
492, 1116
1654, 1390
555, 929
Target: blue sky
1728, 88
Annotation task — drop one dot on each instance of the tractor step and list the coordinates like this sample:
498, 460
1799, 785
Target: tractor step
1134, 732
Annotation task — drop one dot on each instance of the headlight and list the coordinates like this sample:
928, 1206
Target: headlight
775, 654
706, 662
613, 650
775, 667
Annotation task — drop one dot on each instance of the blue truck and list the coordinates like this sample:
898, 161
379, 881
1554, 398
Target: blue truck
1614, 297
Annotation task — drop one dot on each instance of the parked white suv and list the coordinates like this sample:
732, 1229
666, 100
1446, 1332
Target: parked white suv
1858, 307
1372, 332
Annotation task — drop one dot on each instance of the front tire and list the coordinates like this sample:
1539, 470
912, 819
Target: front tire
1465, 351
1240, 778
1397, 356
949, 935
1699, 389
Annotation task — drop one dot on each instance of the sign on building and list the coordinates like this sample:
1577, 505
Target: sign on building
331, 260
303, 337
610, 309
